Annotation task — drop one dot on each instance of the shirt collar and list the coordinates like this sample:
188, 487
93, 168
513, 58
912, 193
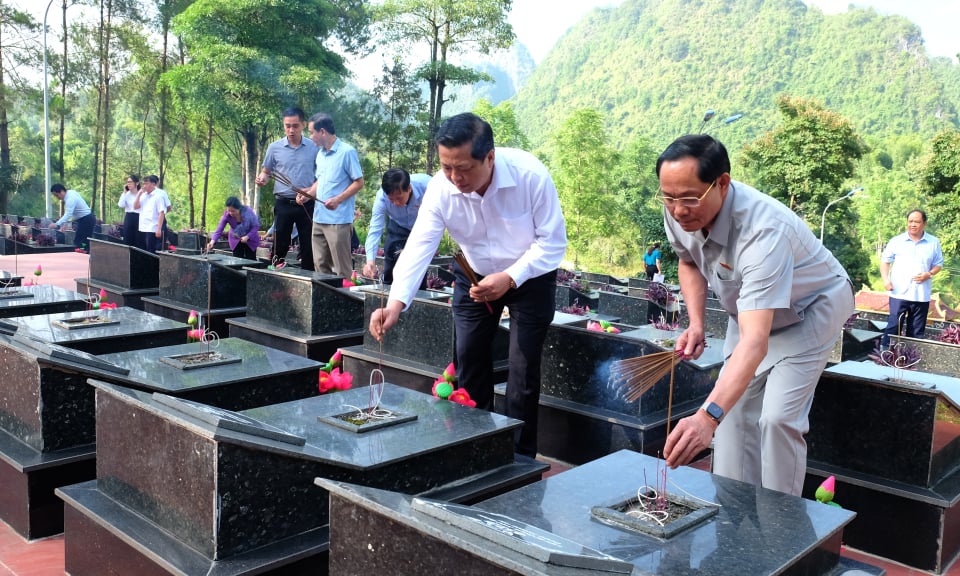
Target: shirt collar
720, 231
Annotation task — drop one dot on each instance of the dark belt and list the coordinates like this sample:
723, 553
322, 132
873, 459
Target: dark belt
286, 200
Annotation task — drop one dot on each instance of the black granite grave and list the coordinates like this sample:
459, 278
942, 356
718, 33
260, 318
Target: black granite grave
583, 416
61, 440
9, 280
415, 351
42, 299
184, 488
213, 284
935, 357
126, 273
130, 330
546, 527
301, 312
892, 439
854, 344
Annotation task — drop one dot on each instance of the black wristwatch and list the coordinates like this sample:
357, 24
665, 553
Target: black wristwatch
714, 411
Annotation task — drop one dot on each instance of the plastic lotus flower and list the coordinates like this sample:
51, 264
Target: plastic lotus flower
602, 326
826, 491
192, 319
172, 248
335, 380
195, 335
38, 271
461, 396
336, 361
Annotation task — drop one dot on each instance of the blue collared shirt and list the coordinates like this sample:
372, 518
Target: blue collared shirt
337, 168
404, 216
296, 163
910, 258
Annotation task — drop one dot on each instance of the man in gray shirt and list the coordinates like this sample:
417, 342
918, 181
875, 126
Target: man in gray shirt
293, 159
787, 297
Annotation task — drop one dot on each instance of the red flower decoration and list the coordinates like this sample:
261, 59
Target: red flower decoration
335, 380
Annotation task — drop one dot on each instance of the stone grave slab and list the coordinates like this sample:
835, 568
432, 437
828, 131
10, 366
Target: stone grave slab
891, 437
132, 330
854, 344
754, 532
54, 378
583, 416
299, 311
223, 492
9, 280
126, 273
212, 283
935, 357
37, 300
415, 351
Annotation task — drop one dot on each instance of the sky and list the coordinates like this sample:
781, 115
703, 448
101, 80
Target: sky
539, 27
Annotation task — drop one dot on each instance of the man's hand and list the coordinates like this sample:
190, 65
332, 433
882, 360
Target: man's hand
209, 245
491, 287
690, 437
158, 233
332, 203
262, 179
692, 342
383, 319
370, 269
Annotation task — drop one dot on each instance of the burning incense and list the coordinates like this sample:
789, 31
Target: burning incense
469, 273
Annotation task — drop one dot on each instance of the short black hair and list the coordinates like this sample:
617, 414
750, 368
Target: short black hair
58, 188
152, 179
395, 180
323, 121
233, 202
467, 127
920, 212
294, 111
712, 158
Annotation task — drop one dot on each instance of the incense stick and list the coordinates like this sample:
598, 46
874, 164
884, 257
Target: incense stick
638, 375
469, 273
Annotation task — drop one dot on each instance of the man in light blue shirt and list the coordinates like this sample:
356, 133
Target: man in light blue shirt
907, 266
399, 199
74, 208
339, 178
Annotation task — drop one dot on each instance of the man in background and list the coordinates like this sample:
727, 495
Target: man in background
74, 208
395, 207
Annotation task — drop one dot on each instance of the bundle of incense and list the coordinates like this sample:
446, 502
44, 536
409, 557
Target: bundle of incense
641, 373
468, 271
283, 179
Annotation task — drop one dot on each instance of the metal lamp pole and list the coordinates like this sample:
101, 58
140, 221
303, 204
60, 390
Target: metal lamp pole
46, 119
823, 218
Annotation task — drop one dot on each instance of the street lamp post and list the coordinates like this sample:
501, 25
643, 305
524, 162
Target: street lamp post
46, 119
823, 218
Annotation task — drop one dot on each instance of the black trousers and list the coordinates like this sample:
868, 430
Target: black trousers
131, 227
531, 312
287, 214
907, 318
243, 250
84, 231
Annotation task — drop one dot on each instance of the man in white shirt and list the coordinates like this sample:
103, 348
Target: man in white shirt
74, 208
502, 209
153, 204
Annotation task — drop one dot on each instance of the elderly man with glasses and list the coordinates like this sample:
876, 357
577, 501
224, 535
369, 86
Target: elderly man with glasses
787, 297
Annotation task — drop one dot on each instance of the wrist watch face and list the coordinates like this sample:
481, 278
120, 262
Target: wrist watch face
714, 411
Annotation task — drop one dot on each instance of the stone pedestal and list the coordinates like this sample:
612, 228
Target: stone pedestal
935, 357
892, 439
212, 284
302, 312
36, 300
127, 274
194, 490
545, 527
8, 280
583, 415
417, 350
131, 330
47, 412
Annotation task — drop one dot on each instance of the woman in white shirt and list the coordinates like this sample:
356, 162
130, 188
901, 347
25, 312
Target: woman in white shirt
131, 215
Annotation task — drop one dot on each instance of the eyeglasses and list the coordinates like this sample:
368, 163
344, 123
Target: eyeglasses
686, 201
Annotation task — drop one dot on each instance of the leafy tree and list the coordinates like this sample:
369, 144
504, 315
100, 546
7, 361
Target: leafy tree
447, 28
938, 178
399, 137
636, 187
506, 128
580, 164
17, 41
805, 164
244, 53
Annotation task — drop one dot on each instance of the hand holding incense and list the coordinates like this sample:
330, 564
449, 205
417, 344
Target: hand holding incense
469, 273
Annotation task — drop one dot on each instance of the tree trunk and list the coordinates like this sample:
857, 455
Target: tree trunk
6, 171
164, 95
208, 148
105, 62
251, 157
189, 160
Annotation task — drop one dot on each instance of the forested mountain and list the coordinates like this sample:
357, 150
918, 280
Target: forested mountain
652, 67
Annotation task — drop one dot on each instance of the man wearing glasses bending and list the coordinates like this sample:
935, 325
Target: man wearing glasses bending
787, 297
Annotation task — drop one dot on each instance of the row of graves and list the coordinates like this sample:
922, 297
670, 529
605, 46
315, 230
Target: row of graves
157, 456
29, 235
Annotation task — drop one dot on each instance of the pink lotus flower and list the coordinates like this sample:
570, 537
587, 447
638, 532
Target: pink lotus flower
195, 335
335, 380
192, 318
38, 271
461, 396
103, 294
172, 248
